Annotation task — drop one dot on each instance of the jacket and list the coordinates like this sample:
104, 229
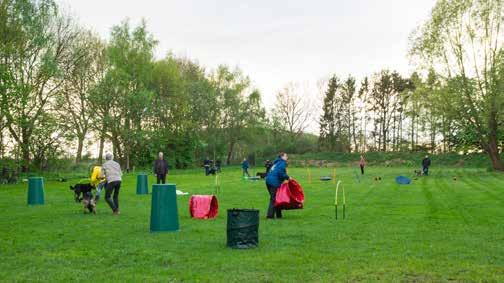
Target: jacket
160, 167
112, 171
426, 162
96, 176
277, 174
245, 164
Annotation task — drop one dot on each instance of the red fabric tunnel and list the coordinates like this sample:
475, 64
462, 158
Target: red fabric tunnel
203, 206
290, 196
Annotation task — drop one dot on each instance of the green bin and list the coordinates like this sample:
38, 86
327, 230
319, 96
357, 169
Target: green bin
35, 190
142, 185
164, 213
242, 228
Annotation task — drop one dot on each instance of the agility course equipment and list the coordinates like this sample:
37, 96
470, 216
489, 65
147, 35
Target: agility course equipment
142, 185
217, 184
35, 191
164, 213
336, 200
242, 228
203, 206
402, 180
290, 195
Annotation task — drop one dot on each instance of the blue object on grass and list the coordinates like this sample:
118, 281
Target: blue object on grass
401, 180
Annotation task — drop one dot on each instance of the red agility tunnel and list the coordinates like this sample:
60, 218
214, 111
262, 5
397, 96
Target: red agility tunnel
290, 196
203, 206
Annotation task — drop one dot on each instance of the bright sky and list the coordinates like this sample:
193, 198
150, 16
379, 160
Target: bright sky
274, 42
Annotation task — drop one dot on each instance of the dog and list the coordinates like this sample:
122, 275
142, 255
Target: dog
419, 173
83, 193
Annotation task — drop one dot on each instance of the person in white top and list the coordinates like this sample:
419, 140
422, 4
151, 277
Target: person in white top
111, 170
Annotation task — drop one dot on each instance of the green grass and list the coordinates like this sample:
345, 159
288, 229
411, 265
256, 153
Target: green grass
436, 229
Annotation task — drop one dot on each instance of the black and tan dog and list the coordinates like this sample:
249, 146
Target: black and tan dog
83, 193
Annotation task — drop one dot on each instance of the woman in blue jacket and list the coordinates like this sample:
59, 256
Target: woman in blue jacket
276, 176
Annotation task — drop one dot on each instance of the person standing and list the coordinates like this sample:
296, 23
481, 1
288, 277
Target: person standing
206, 164
426, 162
245, 167
362, 164
161, 169
111, 170
276, 176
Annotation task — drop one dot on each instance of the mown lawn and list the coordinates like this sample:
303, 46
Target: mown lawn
436, 229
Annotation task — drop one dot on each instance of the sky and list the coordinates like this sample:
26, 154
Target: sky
273, 41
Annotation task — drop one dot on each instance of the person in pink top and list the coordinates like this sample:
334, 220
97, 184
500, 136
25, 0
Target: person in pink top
362, 164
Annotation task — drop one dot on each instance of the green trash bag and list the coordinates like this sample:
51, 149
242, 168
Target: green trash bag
242, 228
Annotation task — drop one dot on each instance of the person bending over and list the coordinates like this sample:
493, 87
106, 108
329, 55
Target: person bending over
276, 176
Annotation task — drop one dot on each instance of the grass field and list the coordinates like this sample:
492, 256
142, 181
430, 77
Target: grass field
436, 229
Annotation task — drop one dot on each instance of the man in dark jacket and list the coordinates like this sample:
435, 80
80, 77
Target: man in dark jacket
426, 162
276, 176
161, 169
206, 164
245, 167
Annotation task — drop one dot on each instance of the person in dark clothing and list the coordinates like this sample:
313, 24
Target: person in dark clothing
206, 164
245, 167
268, 164
218, 164
161, 169
362, 164
276, 176
426, 162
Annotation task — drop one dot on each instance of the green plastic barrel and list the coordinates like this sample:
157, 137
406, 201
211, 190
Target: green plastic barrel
243, 228
164, 213
142, 185
35, 190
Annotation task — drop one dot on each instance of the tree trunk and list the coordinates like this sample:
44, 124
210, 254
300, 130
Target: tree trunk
102, 145
80, 145
493, 153
493, 146
230, 152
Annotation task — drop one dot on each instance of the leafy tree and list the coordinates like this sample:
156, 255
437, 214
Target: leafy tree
463, 41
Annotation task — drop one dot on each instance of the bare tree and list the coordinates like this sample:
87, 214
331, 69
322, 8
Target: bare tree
293, 109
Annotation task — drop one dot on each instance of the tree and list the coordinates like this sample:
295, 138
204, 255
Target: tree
35, 54
293, 110
385, 99
328, 121
73, 102
463, 41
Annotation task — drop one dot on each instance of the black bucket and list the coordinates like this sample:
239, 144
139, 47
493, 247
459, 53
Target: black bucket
242, 228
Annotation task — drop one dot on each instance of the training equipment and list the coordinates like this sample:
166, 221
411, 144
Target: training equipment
164, 213
242, 228
308, 174
254, 178
290, 195
142, 185
203, 206
35, 190
336, 200
402, 180
325, 178
217, 185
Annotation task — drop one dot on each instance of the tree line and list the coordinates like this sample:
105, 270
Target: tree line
63, 87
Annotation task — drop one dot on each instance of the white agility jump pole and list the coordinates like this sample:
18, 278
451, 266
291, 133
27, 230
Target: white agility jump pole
217, 184
336, 200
